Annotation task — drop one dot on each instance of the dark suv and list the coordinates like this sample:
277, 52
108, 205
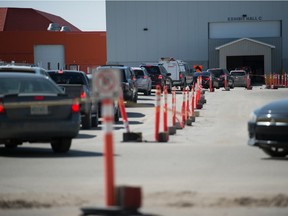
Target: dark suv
159, 75
219, 77
128, 78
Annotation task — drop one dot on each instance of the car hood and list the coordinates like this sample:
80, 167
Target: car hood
275, 107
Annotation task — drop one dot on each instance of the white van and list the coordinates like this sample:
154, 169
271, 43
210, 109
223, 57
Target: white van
181, 73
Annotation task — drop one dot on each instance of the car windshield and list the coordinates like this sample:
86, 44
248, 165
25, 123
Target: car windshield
153, 69
139, 73
10, 85
67, 78
240, 73
217, 73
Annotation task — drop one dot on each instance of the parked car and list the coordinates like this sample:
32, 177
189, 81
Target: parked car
268, 126
205, 78
181, 73
143, 80
35, 109
240, 77
159, 75
23, 69
76, 85
219, 74
128, 78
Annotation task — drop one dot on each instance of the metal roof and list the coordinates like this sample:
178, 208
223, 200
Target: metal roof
28, 19
242, 39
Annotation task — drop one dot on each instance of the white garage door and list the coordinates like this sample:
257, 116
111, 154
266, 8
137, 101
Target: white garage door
49, 56
245, 29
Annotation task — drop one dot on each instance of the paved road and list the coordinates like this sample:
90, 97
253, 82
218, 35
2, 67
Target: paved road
205, 169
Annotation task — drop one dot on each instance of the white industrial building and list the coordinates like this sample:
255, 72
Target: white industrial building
225, 34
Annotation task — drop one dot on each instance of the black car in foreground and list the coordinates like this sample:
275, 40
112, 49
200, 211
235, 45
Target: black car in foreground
35, 109
268, 128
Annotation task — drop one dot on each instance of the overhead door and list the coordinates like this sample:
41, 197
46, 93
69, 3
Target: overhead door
51, 57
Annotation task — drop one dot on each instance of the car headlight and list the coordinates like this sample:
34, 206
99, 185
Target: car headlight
253, 117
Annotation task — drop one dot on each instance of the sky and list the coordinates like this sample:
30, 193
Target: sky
86, 15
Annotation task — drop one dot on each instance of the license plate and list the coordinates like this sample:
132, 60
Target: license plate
39, 110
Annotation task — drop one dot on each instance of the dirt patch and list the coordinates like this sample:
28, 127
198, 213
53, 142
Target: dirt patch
279, 200
186, 199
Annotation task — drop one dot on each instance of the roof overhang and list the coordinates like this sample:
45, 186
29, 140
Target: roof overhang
243, 39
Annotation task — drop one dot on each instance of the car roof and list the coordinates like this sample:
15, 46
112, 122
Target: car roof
151, 64
26, 67
65, 71
136, 68
114, 66
232, 71
23, 75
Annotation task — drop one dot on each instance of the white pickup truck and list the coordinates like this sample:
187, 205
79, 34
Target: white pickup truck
181, 73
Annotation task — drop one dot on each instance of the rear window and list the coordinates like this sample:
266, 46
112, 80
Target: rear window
12, 70
217, 73
238, 73
67, 78
139, 73
15, 86
152, 69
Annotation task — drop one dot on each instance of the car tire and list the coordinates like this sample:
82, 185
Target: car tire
276, 152
86, 121
135, 98
146, 92
95, 120
169, 88
117, 115
61, 145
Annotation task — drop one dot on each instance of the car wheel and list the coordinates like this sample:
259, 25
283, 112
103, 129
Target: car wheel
117, 115
95, 120
276, 152
86, 121
61, 145
135, 98
146, 92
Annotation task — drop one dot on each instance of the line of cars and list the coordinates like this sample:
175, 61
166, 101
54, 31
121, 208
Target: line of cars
235, 78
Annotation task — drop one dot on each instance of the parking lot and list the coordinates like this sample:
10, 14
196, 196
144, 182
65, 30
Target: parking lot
204, 169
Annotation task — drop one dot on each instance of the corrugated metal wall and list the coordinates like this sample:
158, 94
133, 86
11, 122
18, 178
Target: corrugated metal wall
181, 29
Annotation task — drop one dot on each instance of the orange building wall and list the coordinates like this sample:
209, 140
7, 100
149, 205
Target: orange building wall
86, 49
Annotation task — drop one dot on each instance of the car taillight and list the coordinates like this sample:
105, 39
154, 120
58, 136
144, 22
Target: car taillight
180, 76
206, 78
60, 71
159, 76
83, 95
38, 98
75, 107
2, 110
144, 77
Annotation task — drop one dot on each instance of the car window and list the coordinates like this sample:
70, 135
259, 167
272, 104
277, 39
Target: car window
217, 73
67, 78
238, 73
13, 86
153, 69
139, 73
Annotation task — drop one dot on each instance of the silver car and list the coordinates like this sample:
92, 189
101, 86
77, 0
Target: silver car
35, 109
240, 77
143, 80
